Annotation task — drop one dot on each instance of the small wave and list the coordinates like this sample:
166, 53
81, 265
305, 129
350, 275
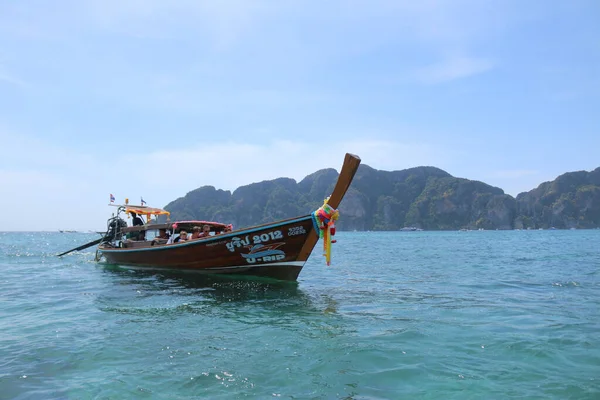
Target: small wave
566, 284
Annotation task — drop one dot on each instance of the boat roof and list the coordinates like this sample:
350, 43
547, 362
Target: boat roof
178, 225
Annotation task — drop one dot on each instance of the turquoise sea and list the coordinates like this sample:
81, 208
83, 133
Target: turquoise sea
399, 315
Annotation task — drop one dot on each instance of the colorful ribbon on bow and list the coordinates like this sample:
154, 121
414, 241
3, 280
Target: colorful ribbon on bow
324, 219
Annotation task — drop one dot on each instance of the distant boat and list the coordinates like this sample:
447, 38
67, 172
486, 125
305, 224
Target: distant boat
409, 229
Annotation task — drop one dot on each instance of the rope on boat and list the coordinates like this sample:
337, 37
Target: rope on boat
324, 221
98, 255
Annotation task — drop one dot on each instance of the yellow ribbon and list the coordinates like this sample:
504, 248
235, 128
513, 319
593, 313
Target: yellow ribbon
327, 215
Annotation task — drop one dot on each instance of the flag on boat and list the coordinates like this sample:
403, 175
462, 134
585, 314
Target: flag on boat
112, 198
142, 201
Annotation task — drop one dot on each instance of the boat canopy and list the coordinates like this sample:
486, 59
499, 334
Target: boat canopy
143, 210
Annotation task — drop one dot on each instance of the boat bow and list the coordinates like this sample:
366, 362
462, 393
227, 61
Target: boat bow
349, 168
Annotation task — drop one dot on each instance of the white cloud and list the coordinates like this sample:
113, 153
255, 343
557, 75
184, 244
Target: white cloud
229, 165
453, 68
223, 22
11, 79
26, 151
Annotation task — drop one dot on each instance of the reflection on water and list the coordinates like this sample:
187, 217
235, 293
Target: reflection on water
200, 290
145, 297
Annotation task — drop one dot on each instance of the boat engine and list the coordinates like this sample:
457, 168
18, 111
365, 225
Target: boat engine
113, 232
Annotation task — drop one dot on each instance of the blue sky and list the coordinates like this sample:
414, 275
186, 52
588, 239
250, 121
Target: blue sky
155, 98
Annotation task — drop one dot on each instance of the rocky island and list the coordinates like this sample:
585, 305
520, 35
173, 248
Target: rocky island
422, 198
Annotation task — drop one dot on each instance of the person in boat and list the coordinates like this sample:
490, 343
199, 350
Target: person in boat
196, 233
205, 231
162, 234
161, 238
183, 237
227, 229
137, 221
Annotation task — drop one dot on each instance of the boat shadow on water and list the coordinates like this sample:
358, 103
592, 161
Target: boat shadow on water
220, 288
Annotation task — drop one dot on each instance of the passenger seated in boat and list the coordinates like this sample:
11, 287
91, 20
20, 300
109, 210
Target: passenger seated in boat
196, 232
183, 237
161, 238
205, 231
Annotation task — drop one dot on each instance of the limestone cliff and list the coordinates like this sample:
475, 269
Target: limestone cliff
423, 197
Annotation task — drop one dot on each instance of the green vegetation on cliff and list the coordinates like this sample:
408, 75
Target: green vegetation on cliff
423, 197
570, 201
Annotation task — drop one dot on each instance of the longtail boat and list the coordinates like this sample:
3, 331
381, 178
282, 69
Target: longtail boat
277, 250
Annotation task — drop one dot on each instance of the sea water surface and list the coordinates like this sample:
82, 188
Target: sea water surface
419, 315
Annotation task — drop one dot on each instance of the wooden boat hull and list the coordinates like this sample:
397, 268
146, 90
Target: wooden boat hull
277, 250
